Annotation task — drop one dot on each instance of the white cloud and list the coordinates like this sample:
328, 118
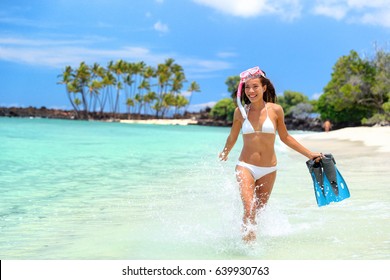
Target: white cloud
18, 21
102, 24
374, 12
208, 65
287, 9
202, 106
367, 4
248, 8
226, 54
335, 11
161, 27
316, 95
186, 93
20, 41
58, 53
381, 18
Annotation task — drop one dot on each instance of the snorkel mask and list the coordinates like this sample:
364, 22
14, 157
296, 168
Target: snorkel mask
251, 73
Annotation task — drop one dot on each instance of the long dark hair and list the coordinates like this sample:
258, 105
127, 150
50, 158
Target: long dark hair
268, 96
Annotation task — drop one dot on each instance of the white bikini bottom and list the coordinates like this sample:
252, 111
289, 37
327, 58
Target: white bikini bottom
257, 171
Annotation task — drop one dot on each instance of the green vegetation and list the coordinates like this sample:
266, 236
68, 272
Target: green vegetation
223, 110
140, 88
295, 104
357, 93
232, 84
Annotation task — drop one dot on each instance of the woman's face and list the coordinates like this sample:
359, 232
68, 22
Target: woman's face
254, 89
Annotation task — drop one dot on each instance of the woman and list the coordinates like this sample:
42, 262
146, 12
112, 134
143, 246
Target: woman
257, 164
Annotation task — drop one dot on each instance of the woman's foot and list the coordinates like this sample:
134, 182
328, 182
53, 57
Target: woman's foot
249, 236
248, 233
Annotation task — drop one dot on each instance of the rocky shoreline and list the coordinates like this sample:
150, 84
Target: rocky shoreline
307, 124
32, 112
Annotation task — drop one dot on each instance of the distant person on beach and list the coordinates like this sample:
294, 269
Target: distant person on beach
257, 164
327, 126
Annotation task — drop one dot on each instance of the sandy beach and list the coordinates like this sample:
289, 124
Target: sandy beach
367, 138
350, 141
162, 121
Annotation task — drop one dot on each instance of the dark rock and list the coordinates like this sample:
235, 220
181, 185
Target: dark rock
292, 123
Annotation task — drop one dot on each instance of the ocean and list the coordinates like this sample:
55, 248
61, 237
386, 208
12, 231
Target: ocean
78, 190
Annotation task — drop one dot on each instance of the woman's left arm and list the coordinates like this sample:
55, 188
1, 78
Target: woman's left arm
287, 139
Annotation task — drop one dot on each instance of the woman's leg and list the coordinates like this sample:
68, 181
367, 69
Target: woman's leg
247, 190
263, 189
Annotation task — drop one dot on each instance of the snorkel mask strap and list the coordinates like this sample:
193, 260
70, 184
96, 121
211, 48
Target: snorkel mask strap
242, 110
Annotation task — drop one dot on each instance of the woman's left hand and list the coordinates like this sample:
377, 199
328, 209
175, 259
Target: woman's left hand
315, 155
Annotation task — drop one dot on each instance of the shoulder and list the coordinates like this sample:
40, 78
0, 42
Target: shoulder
238, 119
237, 115
276, 108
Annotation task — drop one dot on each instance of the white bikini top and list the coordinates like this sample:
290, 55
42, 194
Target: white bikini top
267, 127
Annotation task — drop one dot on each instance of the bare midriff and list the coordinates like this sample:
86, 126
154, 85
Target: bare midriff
259, 149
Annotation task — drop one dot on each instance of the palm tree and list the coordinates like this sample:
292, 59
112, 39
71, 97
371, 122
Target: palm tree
149, 98
67, 78
177, 83
168, 101
134, 72
93, 86
77, 102
137, 70
109, 81
163, 75
145, 85
83, 74
96, 84
180, 102
129, 103
145, 99
119, 87
194, 87
127, 82
118, 68
170, 78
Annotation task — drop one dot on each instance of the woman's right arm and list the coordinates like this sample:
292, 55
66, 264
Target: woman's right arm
232, 138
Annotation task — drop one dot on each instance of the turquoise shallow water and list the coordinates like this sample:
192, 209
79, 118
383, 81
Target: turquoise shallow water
92, 190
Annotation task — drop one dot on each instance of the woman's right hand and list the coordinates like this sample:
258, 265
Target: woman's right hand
223, 156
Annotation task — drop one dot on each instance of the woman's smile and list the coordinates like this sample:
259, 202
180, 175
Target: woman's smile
252, 96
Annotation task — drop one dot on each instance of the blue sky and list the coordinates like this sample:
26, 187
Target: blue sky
296, 42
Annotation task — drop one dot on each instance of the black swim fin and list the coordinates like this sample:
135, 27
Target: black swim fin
333, 180
315, 170
328, 165
329, 184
